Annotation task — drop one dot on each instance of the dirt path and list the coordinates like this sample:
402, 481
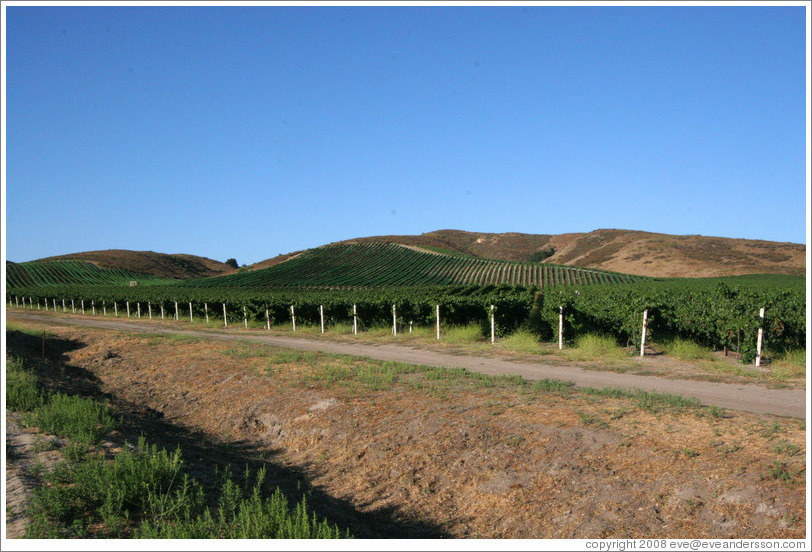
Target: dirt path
744, 397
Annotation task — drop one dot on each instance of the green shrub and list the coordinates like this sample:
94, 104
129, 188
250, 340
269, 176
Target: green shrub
463, 334
684, 349
596, 347
522, 340
22, 393
80, 419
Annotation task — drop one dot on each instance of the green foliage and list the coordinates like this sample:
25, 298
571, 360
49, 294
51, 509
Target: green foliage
705, 311
78, 418
56, 273
241, 514
388, 264
22, 392
539, 256
232, 263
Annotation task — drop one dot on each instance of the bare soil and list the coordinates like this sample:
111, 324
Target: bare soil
429, 458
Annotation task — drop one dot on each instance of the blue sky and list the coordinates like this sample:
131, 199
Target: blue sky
247, 132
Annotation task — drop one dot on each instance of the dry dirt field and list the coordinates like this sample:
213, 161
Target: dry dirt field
391, 451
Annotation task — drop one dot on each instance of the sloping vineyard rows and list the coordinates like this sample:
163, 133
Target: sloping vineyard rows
711, 312
386, 264
459, 305
53, 273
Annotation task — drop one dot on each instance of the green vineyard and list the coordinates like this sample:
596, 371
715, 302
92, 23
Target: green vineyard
389, 264
57, 273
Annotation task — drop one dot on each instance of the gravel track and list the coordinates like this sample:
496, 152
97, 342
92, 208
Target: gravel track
744, 397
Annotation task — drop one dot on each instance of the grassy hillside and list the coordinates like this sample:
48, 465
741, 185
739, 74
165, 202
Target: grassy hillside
631, 252
386, 264
162, 265
55, 273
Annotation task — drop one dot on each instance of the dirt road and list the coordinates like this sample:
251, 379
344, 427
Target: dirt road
744, 397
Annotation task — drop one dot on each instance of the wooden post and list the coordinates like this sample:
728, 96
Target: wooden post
268, 319
115, 308
293, 317
149, 309
225, 317
354, 320
16, 301
128, 309
394, 321
643, 338
63, 305
162, 310
93, 306
493, 327
54, 305
104, 307
739, 342
39, 307
138, 309
206, 308
760, 337
438, 322
191, 319
245, 316
410, 326
83, 306
321, 317
560, 327
72, 306
177, 317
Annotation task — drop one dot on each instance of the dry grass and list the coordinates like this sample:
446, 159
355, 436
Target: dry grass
476, 455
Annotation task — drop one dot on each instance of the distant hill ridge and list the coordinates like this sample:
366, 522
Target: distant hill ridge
163, 265
626, 251
623, 251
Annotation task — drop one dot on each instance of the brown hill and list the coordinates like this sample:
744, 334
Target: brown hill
629, 251
160, 264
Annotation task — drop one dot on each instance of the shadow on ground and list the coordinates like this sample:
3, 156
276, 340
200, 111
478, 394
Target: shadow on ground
206, 455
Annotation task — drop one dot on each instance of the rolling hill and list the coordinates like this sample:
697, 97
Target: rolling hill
162, 265
626, 251
72, 272
374, 264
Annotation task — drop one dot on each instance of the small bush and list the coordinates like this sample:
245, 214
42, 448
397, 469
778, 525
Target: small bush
22, 393
684, 349
597, 347
463, 334
522, 340
78, 418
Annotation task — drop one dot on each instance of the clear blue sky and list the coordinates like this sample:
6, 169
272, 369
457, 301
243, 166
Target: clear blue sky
247, 132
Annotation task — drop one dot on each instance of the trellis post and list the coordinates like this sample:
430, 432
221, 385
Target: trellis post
225, 317
493, 327
191, 319
293, 317
560, 327
438, 322
206, 308
760, 337
643, 337
394, 321
321, 317
354, 320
